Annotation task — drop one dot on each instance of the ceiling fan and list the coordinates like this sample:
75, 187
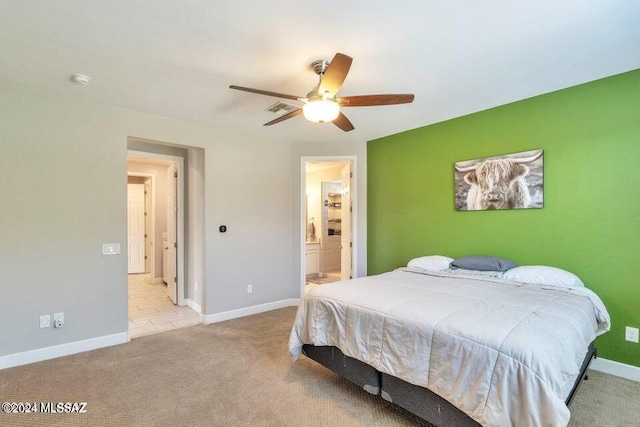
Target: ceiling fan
321, 104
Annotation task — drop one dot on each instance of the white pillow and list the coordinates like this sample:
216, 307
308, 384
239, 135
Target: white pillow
543, 275
431, 262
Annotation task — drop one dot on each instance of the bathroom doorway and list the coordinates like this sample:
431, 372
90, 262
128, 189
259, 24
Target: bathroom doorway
327, 216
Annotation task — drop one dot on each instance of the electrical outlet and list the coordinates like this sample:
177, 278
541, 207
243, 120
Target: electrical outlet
631, 334
45, 321
249, 289
58, 320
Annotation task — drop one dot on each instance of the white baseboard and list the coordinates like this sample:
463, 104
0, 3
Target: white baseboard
618, 369
248, 311
37, 355
46, 353
193, 305
158, 280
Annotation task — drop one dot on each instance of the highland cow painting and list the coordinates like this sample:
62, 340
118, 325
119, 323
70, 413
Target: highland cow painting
510, 181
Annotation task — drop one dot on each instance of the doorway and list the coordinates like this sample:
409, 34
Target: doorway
328, 243
156, 289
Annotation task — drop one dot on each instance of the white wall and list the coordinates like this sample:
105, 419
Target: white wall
52, 227
250, 198
196, 226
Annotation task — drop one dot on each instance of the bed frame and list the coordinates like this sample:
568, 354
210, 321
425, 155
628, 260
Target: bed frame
418, 400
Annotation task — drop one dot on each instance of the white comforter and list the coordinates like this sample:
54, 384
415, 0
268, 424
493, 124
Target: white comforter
505, 353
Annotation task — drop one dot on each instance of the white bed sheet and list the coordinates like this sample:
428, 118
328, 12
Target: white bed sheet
505, 353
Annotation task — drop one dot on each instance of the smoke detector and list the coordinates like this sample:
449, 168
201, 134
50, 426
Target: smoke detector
81, 79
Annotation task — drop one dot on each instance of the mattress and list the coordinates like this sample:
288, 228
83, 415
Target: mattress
503, 352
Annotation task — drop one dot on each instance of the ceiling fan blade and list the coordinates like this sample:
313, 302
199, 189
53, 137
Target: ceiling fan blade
265, 92
371, 100
335, 74
343, 123
285, 117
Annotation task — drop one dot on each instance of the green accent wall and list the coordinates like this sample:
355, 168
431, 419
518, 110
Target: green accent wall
590, 223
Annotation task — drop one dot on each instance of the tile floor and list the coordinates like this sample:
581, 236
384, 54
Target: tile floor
315, 281
151, 311
327, 278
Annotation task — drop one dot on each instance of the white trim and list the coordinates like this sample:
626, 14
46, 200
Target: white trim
354, 211
248, 311
618, 369
182, 195
158, 280
46, 353
193, 305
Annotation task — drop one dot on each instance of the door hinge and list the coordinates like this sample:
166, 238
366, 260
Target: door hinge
175, 279
350, 244
145, 214
175, 174
175, 245
145, 235
145, 192
350, 174
350, 208
145, 257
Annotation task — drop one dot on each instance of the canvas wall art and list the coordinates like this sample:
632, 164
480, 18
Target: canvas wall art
510, 181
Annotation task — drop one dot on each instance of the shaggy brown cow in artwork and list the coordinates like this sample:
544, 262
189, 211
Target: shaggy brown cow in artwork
498, 183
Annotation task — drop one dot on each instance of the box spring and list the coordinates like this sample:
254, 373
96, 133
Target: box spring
352, 369
415, 399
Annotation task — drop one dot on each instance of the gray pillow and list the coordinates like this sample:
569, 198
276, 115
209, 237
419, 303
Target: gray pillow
484, 263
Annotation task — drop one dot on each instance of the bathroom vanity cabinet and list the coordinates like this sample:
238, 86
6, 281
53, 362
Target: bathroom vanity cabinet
312, 255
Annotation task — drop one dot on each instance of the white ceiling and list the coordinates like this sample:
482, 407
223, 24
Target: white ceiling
177, 58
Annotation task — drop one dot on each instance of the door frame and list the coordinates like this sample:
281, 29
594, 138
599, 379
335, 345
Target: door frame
303, 220
180, 189
152, 263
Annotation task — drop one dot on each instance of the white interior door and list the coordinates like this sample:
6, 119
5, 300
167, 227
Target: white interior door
172, 222
346, 235
135, 227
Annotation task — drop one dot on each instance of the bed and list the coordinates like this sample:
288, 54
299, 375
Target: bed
454, 347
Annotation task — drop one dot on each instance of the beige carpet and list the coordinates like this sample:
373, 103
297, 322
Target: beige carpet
236, 373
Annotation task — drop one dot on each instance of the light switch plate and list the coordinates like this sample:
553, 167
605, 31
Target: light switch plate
631, 334
45, 321
110, 248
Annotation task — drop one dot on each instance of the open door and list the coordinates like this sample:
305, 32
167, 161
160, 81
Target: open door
135, 228
346, 238
172, 224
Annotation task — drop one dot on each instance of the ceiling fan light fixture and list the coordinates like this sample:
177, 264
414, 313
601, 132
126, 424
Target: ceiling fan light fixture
321, 104
321, 110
